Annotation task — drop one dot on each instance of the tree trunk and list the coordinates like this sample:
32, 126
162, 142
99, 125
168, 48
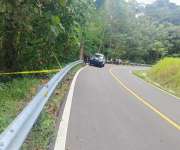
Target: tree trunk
9, 44
9, 47
81, 50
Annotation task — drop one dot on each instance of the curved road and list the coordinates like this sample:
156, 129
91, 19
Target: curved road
114, 110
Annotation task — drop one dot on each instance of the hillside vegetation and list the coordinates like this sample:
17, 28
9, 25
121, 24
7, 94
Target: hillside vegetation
41, 34
166, 74
14, 96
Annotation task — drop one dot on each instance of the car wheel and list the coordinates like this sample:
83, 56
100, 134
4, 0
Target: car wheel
102, 65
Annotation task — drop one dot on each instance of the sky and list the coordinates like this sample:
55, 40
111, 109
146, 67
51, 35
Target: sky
150, 1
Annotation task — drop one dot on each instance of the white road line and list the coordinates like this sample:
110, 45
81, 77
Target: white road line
62, 132
157, 86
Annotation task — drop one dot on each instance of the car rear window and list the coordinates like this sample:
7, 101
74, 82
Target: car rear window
99, 56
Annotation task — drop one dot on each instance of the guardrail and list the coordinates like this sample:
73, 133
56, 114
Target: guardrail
118, 62
129, 63
15, 134
137, 64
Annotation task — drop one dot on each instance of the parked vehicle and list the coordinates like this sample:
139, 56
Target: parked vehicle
97, 60
118, 61
114, 61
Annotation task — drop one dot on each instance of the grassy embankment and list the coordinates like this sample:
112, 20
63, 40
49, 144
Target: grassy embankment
165, 74
14, 95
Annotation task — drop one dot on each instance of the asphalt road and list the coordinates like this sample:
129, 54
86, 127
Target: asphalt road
114, 110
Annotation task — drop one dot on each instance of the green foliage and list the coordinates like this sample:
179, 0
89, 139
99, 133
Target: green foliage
14, 95
164, 11
165, 74
130, 31
33, 33
41, 132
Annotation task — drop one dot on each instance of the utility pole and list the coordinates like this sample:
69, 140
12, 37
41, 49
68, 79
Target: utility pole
81, 44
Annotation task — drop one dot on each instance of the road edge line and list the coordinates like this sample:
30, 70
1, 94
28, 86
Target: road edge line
60, 142
147, 104
153, 84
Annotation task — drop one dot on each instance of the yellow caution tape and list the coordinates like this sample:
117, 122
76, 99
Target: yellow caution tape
31, 72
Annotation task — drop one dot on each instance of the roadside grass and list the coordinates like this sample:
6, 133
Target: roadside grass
43, 134
13, 97
165, 74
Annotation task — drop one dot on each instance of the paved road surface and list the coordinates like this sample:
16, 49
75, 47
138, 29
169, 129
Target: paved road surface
106, 116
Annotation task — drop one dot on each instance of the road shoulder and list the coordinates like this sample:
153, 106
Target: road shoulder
62, 131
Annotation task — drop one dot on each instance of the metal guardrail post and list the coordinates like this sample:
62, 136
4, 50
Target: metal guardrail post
15, 134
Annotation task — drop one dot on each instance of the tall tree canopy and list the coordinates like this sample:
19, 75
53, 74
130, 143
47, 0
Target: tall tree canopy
36, 34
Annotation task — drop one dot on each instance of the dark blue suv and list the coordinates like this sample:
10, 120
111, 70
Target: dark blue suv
97, 60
